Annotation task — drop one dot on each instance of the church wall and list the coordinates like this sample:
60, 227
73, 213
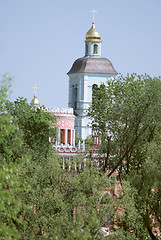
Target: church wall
73, 91
80, 98
83, 83
82, 128
95, 79
65, 126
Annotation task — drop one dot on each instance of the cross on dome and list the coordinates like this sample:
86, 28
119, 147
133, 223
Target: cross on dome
35, 88
93, 11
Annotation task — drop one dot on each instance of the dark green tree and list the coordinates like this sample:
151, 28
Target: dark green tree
126, 112
61, 204
35, 123
24, 137
10, 165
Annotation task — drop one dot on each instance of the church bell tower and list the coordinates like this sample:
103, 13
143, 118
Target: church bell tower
86, 72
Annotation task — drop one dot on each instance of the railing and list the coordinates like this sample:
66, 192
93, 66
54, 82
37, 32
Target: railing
60, 110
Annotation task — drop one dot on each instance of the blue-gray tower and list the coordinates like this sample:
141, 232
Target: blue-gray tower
87, 71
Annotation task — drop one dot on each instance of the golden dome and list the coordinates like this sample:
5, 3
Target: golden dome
93, 35
35, 101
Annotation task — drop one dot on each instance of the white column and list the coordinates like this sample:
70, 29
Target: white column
79, 145
66, 136
83, 145
71, 137
74, 137
58, 135
80, 165
84, 163
85, 88
69, 164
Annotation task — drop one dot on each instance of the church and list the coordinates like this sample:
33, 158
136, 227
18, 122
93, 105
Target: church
86, 73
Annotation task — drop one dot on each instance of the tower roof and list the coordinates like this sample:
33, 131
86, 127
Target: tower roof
93, 35
92, 64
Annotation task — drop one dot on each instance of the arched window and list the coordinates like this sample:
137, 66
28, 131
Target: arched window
75, 103
86, 52
95, 49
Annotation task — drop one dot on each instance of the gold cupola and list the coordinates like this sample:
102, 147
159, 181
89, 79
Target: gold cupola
93, 35
35, 101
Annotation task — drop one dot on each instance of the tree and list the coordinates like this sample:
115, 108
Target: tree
24, 137
126, 112
10, 165
61, 204
35, 123
39, 200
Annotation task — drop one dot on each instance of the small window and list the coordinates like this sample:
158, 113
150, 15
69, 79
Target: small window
69, 137
62, 136
86, 53
95, 49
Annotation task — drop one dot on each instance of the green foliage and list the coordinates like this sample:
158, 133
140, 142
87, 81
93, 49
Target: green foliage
39, 200
64, 202
77, 139
126, 112
129, 219
10, 158
88, 142
10, 205
24, 137
35, 123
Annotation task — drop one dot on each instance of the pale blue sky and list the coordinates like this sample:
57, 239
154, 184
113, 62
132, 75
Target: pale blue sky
40, 40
